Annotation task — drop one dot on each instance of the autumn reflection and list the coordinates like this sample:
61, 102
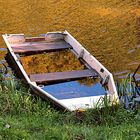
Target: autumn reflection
138, 30
55, 62
138, 44
107, 29
89, 81
51, 62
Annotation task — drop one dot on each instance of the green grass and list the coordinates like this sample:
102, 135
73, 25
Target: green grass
43, 127
23, 117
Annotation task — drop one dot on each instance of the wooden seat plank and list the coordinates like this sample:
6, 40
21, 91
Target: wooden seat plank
34, 47
62, 76
30, 39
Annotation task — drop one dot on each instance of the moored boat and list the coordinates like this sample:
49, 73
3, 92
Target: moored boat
61, 87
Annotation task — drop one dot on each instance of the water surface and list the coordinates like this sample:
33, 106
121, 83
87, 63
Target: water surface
74, 89
110, 30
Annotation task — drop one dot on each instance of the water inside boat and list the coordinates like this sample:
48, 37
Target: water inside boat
74, 89
51, 62
59, 62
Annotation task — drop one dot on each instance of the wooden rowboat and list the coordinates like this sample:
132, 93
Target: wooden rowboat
60, 88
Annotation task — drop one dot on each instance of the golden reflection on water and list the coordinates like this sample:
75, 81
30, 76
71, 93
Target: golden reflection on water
51, 62
108, 29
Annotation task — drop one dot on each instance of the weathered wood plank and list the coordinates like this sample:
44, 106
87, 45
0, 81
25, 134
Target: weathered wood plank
62, 76
27, 48
30, 39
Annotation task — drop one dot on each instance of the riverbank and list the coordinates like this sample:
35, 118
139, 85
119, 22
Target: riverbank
25, 117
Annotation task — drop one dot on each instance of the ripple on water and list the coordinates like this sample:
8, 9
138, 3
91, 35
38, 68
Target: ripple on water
3, 61
3, 49
131, 51
133, 63
121, 72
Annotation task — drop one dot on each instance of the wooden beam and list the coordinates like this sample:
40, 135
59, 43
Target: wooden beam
62, 76
34, 39
38, 47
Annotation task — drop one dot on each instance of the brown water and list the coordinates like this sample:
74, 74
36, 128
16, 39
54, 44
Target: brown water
109, 29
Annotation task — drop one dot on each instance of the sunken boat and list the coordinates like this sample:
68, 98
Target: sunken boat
65, 88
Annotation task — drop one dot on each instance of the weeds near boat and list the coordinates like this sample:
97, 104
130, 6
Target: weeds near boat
16, 98
105, 111
127, 92
23, 117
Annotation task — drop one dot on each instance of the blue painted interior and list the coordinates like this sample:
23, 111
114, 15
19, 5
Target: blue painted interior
74, 89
